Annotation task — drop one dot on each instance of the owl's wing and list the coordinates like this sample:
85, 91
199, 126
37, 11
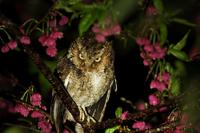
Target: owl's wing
57, 112
97, 110
58, 109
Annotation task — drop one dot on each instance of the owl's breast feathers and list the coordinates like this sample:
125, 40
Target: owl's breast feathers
86, 88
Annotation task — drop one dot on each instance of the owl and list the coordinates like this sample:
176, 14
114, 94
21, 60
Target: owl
87, 72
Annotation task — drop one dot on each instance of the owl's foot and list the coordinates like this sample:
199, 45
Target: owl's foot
84, 115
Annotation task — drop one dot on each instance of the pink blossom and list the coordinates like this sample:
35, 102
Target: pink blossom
5, 49
25, 40
56, 35
96, 29
36, 99
161, 81
51, 51
184, 118
102, 33
37, 114
146, 62
106, 32
159, 52
194, 53
23, 110
162, 109
141, 106
116, 29
142, 41
44, 126
63, 20
164, 77
44, 107
151, 10
148, 48
52, 23
50, 42
12, 44
124, 115
66, 131
42, 39
141, 125
3, 104
154, 83
178, 131
161, 86
100, 38
153, 100
21, 29
11, 108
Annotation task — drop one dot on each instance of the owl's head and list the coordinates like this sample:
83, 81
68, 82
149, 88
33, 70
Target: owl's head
88, 55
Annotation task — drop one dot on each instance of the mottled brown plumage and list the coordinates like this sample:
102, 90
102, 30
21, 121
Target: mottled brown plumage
87, 72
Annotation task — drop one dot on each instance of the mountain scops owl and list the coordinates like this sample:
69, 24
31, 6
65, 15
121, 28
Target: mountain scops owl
87, 71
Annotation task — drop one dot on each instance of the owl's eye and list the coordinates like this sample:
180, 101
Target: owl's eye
97, 59
81, 57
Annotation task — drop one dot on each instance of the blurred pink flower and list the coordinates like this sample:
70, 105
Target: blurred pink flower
162, 109
66, 131
42, 39
141, 125
5, 49
161, 86
140, 106
12, 44
23, 110
37, 114
153, 100
51, 51
116, 29
3, 104
64, 20
56, 35
96, 29
35, 99
25, 40
50, 42
124, 115
44, 126
165, 77
151, 10
52, 23
100, 38
194, 53
142, 41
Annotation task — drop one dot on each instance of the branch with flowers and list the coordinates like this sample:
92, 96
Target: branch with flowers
105, 19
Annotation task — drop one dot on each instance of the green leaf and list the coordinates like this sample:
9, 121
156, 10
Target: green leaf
180, 69
183, 21
13, 129
118, 112
169, 67
181, 44
163, 33
63, 5
175, 85
179, 54
86, 22
112, 130
159, 5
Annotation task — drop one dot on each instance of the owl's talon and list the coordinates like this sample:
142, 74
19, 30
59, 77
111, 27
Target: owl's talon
82, 114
